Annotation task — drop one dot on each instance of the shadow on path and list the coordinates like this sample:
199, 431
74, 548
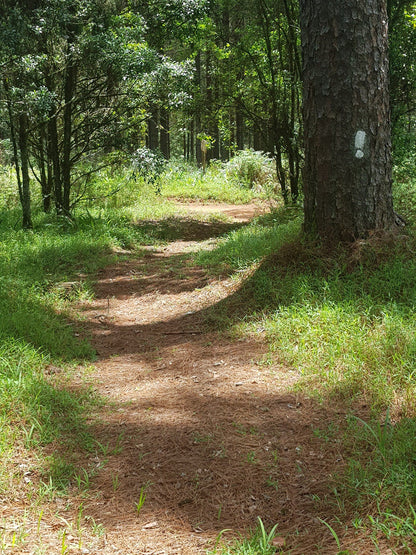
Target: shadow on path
212, 437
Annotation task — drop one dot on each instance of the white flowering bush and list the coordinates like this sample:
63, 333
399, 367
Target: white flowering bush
148, 165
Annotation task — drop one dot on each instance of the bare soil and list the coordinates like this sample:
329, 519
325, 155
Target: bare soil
195, 421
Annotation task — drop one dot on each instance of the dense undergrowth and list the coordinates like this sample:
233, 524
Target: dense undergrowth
344, 319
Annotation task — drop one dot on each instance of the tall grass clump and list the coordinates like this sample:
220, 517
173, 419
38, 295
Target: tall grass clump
253, 170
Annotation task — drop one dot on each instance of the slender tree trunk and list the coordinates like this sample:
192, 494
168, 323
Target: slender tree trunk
152, 129
198, 121
164, 133
239, 126
53, 154
347, 173
54, 162
14, 141
44, 174
24, 161
192, 140
70, 85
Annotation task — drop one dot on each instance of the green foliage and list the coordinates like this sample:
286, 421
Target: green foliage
186, 182
404, 189
382, 471
250, 244
35, 413
259, 543
148, 164
252, 170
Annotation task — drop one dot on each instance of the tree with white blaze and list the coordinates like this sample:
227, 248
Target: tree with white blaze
347, 173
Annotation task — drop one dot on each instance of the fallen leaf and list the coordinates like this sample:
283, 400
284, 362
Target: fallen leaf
150, 525
279, 541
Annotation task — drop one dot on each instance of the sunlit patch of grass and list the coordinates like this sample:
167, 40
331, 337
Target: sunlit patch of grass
349, 332
184, 182
250, 244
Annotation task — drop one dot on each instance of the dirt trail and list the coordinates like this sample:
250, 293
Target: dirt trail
212, 437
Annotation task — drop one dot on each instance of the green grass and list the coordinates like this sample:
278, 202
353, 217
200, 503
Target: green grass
40, 415
259, 542
117, 189
346, 322
183, 183
249, 245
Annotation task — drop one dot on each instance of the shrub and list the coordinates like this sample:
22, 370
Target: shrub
252, 169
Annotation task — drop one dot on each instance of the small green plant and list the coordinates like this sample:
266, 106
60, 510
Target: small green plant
79, 517
141, 501
97, 528
266, 538
251, 457
64, 545
334, 534
219, 513
83, 480
260, 543
272, 483
39, 521
115, 481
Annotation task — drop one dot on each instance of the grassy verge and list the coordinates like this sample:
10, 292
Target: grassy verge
345, 321
43, 420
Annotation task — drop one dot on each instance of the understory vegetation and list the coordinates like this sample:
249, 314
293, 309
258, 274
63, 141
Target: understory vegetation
344, 320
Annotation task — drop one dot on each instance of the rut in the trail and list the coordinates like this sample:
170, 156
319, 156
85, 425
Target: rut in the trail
210, 436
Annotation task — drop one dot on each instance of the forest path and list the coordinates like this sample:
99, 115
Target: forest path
211, 437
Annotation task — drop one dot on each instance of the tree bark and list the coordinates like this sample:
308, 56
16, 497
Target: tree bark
70, 85
44, 172
347, 173
24, 161
198, 120
152, 129
164, 134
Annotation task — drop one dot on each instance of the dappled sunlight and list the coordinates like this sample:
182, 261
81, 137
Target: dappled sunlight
212, 436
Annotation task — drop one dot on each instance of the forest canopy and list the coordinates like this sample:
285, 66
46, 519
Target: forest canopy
86, 83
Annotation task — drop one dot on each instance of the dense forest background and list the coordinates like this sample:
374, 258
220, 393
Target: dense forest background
91, 84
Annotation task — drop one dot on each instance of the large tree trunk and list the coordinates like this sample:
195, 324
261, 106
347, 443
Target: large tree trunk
347, 174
